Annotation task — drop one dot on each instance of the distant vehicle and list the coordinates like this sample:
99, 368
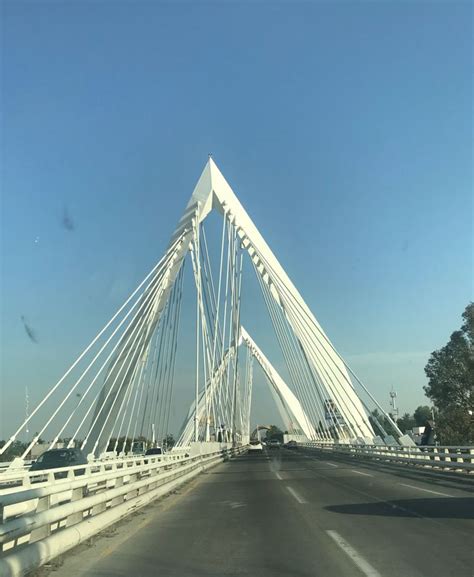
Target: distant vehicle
58, 458
154, 451
255, 446
291, 445
273, 444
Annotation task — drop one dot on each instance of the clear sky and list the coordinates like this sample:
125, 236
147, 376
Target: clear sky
344, 128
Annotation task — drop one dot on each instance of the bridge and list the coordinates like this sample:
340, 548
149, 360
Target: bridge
352, 496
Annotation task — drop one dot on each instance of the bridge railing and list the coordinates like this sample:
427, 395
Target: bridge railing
45, 513
434, 457
22, 474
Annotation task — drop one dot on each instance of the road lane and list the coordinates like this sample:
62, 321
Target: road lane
408, 485
399, 529
239, 519
405, 473
282, 514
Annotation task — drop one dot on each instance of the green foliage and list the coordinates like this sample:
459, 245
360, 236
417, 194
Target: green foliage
406, 423
450, 372
16, 449
169, 442
455, 427
379, 422
124, 444
421, 415
274, 432
40, 441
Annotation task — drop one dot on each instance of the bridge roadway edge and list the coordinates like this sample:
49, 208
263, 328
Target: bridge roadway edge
35, 555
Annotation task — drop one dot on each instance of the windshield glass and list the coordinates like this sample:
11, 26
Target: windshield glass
56, 456
238, 235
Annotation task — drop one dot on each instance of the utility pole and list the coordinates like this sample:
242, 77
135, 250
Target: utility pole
393, 396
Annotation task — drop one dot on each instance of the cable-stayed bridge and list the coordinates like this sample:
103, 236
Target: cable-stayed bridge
121, 389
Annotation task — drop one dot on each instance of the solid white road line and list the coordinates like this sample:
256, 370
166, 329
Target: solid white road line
361, 473
278, 476
363, 565
332, 464
296, 496
426, 490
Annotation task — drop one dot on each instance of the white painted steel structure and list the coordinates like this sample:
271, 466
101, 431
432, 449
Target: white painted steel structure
291, 411
124, 378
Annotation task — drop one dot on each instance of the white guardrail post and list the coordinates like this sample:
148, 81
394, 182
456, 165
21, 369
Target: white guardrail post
44, 514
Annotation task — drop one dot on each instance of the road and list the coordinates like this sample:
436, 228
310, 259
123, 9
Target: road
282, 513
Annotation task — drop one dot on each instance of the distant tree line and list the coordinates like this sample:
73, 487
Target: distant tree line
450, 372
124, 444
381, 424
17, 448
421, 414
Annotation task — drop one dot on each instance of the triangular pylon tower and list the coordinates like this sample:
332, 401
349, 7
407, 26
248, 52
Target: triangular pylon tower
333, 387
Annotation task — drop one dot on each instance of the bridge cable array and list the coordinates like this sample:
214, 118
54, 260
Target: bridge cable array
120, 389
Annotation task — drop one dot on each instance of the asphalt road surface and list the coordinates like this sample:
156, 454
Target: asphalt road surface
282, 513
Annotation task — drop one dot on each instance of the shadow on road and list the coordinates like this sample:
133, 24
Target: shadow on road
435, 508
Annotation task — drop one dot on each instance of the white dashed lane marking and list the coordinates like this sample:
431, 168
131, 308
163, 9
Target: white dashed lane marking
300, 499
426, 490
361, 473
356, 557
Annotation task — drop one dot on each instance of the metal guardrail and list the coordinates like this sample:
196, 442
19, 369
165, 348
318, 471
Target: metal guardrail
433, 457
42, 516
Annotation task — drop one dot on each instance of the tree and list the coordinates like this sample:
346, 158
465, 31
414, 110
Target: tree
455, 427
421, 415
450, 372
380, 423
16, 449
274, 432
168, 441
40, 441
406, 423
124, 445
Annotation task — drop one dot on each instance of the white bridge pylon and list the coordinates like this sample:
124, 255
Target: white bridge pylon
291, 411
331, 390
121, 385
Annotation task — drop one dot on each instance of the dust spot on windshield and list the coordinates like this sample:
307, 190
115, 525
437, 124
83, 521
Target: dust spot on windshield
67, 220
29, 330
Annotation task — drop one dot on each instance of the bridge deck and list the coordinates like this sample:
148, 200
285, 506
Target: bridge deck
283, 514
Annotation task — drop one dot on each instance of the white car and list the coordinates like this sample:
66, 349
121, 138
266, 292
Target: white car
255, 446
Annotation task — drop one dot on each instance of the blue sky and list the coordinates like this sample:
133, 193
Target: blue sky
344, 128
